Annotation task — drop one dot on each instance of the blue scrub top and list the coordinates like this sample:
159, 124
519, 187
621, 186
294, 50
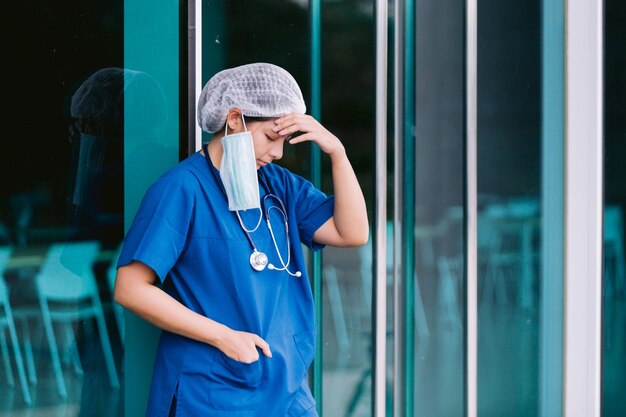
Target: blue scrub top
184, 231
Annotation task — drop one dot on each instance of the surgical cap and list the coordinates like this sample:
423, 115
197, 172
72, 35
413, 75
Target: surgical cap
102, 96
258, 90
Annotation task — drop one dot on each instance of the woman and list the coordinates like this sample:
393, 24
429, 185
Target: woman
235, 303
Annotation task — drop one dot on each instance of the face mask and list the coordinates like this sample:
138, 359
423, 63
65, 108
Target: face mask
238, 171
90, 158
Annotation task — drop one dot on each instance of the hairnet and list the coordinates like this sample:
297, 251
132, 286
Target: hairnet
102, 95
258, 90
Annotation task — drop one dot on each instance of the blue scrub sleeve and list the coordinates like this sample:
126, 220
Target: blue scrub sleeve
313, 209
159, 231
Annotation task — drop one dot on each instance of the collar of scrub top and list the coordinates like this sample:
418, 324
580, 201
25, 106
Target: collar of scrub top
281, 209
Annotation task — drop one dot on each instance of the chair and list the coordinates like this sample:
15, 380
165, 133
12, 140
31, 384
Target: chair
451, 277
6, 320
336, 307
342, 283
507, 235
68, 291
425, 239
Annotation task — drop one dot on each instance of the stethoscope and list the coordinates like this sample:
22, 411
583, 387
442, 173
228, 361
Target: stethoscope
259, 260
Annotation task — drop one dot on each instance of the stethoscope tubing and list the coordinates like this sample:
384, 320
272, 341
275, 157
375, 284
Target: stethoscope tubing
263, 208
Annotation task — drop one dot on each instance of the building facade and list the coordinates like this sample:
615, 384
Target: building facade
489, 138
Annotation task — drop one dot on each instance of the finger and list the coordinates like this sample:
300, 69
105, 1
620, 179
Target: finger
291, 130
285, 123
264, 346
290, 119
248, 358
301, 138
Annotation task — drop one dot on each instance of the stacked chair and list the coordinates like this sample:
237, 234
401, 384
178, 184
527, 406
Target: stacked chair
67, 291
7, 322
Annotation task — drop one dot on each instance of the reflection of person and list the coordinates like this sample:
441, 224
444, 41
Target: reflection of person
100, 119
234, 280
97, 134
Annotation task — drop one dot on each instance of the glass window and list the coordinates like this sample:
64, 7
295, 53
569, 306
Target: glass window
614, 286
61, 209
438, 177
347, 110
520, 208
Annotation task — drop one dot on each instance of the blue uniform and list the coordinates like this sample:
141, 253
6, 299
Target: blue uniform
184, 231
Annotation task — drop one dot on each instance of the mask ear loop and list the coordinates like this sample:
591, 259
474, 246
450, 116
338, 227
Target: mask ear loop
243, 119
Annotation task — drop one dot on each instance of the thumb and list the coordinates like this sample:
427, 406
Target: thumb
264, 346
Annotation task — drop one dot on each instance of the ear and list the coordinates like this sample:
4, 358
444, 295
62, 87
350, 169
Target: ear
234, 120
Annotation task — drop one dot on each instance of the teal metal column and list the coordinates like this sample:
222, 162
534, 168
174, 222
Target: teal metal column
151, 45
315, 27
404, 210
408, 167
552, 208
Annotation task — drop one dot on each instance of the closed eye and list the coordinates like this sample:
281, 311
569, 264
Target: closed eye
272, 136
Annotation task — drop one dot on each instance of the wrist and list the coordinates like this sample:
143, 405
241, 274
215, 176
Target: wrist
218, 335
338, 154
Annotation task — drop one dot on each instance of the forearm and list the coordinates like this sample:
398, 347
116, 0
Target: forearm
350, 213
159, 308
348, 226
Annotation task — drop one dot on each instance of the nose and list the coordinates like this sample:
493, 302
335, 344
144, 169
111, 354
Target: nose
277, 150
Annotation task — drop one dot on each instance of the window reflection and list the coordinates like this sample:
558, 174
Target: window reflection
509, 199
614, 280
439, 296
61, 213
347, 110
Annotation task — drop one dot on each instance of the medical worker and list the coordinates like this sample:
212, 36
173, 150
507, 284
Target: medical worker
221, 233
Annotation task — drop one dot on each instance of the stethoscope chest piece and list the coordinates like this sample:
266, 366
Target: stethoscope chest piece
258, 260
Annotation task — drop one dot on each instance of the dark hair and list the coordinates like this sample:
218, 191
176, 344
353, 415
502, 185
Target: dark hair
257, 119
249, 119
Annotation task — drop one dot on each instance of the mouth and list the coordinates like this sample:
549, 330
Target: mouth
261, 163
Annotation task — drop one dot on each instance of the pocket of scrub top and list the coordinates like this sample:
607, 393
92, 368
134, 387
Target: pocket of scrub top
234, 383
305, 342
304, 404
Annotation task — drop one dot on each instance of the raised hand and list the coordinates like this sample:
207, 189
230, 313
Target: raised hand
311, 130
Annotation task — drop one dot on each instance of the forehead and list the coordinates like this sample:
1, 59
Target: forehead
266, 127
266, 123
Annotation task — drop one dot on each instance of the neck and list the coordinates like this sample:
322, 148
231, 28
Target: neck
216, 151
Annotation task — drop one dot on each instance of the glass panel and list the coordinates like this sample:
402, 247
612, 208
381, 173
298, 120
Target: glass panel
61, 210
614, 290
348, 111
438, 308
520, 207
